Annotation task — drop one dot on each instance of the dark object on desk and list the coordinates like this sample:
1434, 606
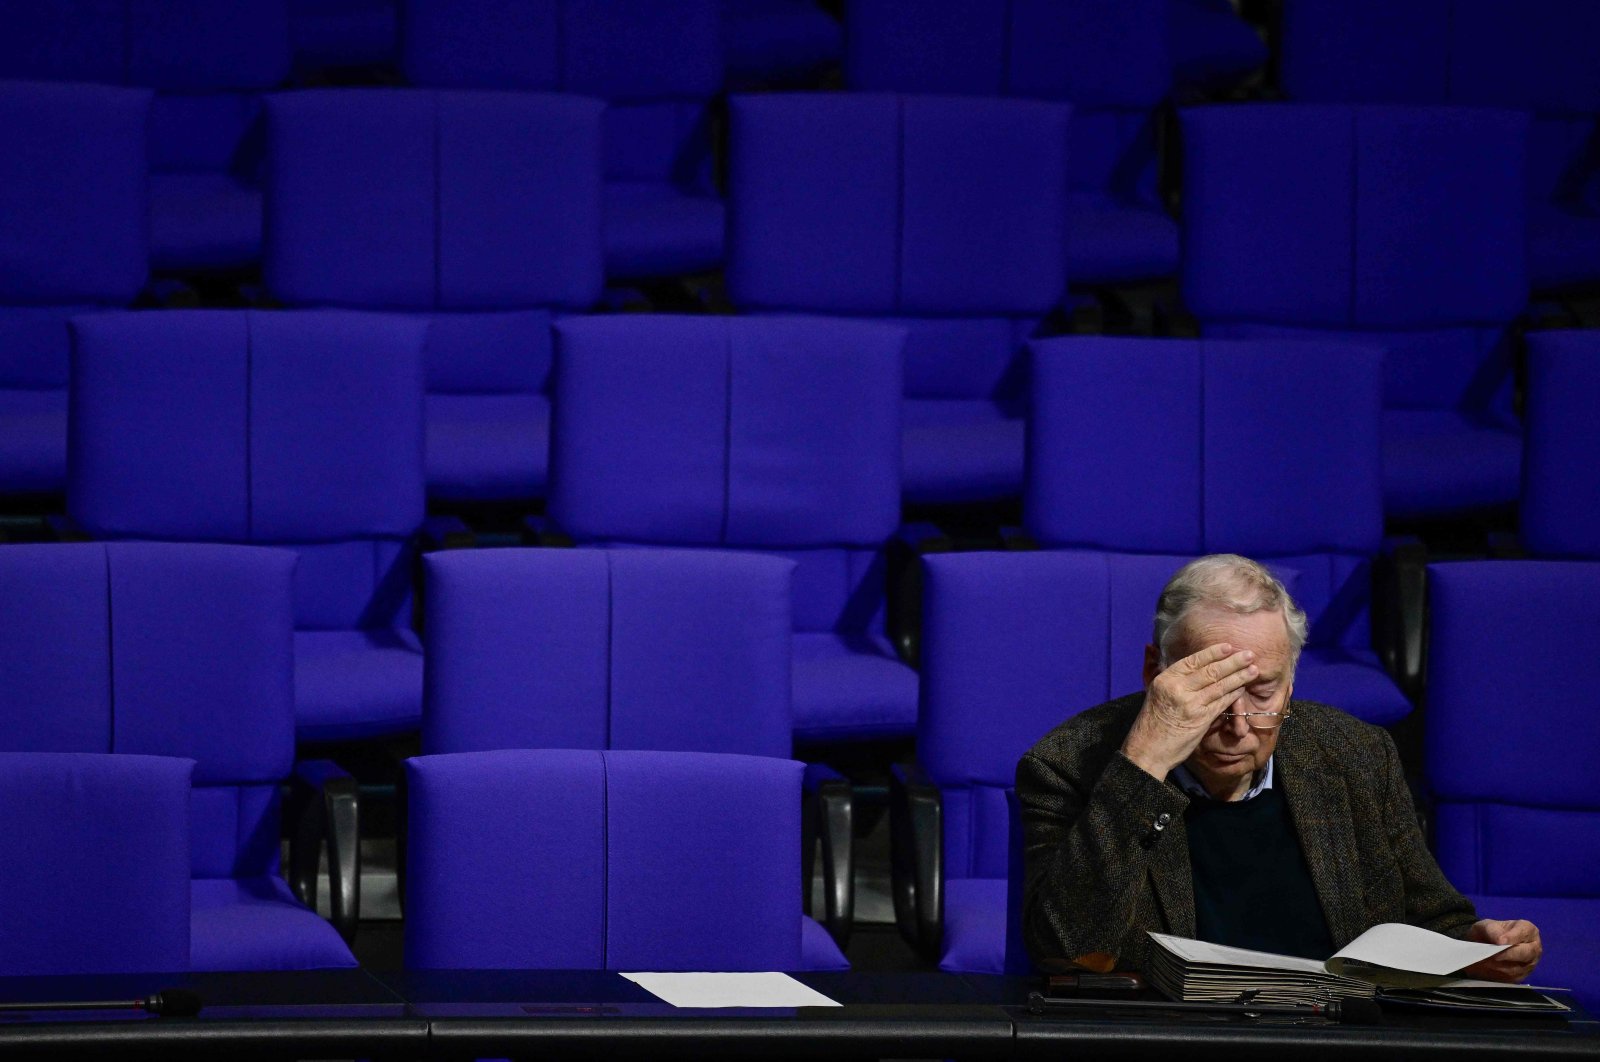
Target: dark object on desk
1349, 1011
1093, 985
167, 1003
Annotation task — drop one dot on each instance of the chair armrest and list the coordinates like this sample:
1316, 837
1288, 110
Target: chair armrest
904, 554
916, 839
828, 815
1400, 614
325, 810
542, 531
445, 532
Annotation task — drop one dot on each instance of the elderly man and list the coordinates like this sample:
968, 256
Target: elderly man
1213, 805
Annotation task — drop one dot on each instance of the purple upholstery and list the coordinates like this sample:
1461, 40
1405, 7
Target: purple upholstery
73, 183
1534, 57
1212, 47
772, 434
778, 42
1108, 58
603, 860
658, 66
342, 33
479, 212
1190, 475
1518, 817
943, 213
1561, 493
207, 63
143, 648
312, 425
644, 649
93, 863
1387, 248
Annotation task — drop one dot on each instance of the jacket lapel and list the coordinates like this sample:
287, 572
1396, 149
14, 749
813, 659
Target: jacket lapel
1319, 808
1173, 880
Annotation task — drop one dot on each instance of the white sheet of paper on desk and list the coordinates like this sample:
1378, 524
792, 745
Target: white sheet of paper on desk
1396, 946
730, 990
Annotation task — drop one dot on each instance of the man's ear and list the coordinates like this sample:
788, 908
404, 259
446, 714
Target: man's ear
1152, 664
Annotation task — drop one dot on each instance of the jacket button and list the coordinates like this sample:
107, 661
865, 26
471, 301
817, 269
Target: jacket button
1162, 820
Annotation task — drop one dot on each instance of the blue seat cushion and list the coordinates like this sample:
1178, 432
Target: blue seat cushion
487, 447
974, 925
1437, 462
851, 686
779, 40
1563, 246
654, 230
257, 924
1569, 926
203, 221
817, 949
356, 684
1109, 242
957, 450
1353, 680
33, 441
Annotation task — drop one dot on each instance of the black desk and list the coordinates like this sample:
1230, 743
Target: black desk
584, 1015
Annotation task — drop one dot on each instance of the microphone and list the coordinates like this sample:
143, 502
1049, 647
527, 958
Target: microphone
167, 1003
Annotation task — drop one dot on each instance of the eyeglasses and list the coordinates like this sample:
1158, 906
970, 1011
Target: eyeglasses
1254, 720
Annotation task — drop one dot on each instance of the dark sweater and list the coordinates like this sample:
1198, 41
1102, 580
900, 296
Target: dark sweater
1252, 888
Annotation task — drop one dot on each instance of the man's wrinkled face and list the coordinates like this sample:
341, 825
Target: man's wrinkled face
1231, 751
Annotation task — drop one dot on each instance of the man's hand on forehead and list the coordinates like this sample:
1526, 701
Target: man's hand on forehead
1182, 703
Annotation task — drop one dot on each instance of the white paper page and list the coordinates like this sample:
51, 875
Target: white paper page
1397, 946
1222, 955
729, 990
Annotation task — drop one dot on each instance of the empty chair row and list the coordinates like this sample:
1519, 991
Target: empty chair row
480, 214
521, 859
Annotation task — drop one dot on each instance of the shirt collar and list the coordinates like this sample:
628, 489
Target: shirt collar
1186, 781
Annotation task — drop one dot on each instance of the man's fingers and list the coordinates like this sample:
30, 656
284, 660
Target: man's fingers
1194, 662
1219, 669
1519, 955
1220, 693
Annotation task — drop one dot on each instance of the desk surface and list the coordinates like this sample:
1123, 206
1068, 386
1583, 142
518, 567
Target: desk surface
354, 1013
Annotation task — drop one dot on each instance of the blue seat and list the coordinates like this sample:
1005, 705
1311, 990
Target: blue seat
478, 212
1409, 234
670, 650
295, 429
657, 66
94, 863
591, 860
1213, 49
340, 34
208, 64
1517, 818
941, 214
1110, 61
1560, 511
73, 184
1535, 57
1267, 448
181, 650
768, 435
771, 43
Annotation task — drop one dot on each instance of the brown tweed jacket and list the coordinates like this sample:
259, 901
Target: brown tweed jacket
1107, 858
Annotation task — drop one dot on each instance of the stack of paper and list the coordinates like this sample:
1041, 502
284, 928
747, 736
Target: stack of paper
1197, 972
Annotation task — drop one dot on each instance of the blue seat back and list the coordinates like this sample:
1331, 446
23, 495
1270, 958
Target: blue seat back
631, 649
1409, 228
93, 864
297, 429
1108, 58
657, 65
774, 434
1518, 814
160, 649
1560, 491
597, 860
942, 209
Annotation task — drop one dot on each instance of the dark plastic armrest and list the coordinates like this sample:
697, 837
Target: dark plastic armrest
1400, 625
909, 544
65, 529
541, 531
916, 840
325, 805
828, 815
1018, 540
445, 532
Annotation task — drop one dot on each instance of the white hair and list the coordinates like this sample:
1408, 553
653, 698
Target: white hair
1232, 582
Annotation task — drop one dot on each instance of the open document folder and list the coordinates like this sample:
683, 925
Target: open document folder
1390, 961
